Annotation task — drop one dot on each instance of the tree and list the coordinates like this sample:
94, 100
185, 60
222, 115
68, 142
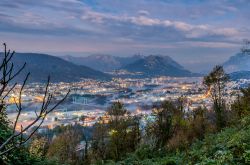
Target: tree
10, 138
119, 136
99, 140
64, 147
117, 127
38, 147
199, 124
215, 83
241, 106
162, 128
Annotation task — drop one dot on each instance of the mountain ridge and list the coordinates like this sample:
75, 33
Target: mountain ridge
158, 65
102, 62
41, 66
238, 62
240, 75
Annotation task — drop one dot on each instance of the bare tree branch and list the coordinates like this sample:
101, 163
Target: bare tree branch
19, 138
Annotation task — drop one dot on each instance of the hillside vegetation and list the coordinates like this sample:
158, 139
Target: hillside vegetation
230, 146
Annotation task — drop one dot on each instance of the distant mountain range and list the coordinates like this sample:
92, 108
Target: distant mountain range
238, 62
104, 63
238, 66
42, 65
157, 65
71, 69
148, 66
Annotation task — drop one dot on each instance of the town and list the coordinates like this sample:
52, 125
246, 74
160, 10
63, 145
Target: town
89, 99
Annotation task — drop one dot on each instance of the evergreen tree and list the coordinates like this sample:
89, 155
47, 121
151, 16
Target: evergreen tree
215, 82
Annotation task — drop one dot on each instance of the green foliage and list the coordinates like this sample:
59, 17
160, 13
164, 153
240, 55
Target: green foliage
18, 156
144, 152
118, 137
171, 159
38, 147
173, 129
63, 147
21, 156
241, 106
5, 131
167, 117
231, 146
113, 141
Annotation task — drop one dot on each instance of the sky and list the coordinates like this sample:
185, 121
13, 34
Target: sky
196, 33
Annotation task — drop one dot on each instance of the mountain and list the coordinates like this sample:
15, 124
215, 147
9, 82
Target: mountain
42, 65
240, 75
238, 62
157, 65
101, 62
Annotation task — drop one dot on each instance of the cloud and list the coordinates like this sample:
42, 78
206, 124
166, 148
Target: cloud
143, 21
147, 26
79, 18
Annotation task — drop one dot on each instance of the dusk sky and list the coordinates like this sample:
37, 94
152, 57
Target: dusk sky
196, 33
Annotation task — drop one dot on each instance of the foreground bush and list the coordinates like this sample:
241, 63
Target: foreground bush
230, 146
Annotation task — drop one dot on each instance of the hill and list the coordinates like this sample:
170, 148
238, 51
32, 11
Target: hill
230, 146
156, 65
240, 75
238, 62
102, 62
42, 65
